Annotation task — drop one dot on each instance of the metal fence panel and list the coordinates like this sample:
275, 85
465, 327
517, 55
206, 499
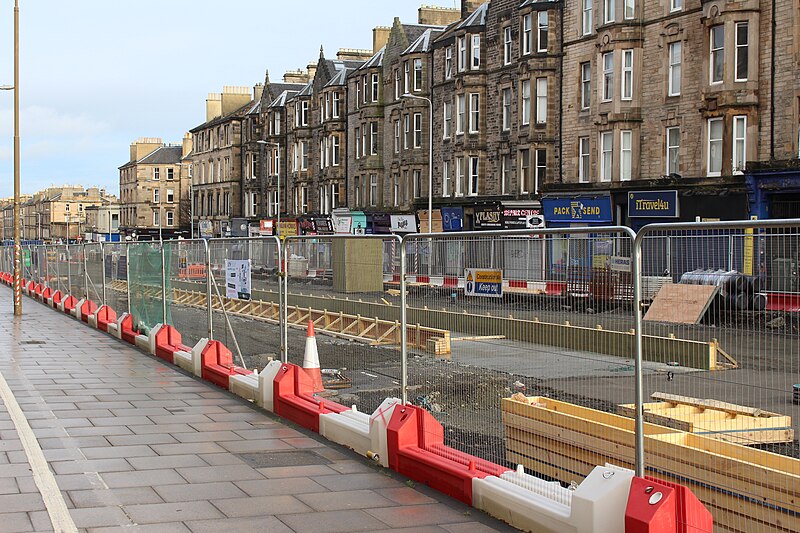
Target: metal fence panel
93, 263
186, 294
146, 279
729, 433
349, 287
115, 276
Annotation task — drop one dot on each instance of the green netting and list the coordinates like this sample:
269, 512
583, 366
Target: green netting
144, 277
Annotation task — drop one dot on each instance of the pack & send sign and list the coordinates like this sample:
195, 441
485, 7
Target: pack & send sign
483, 283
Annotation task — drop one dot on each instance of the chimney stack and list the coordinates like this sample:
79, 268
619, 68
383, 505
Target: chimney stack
438, 16
380, 36
468, 7
213, 106
258, 91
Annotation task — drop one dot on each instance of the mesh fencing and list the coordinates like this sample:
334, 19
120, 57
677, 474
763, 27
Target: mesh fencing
115, 276
339, 284
94, 272
145, 268
186, 294
77, 274
729, 432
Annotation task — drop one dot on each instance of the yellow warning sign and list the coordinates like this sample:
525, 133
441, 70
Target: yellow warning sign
488, 276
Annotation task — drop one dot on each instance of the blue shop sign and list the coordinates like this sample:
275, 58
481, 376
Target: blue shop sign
577, 209
452, 218
653, 204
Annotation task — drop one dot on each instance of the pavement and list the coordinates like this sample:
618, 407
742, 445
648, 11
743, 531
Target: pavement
97, 436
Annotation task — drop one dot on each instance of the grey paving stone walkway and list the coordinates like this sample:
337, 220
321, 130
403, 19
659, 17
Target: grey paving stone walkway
135, 445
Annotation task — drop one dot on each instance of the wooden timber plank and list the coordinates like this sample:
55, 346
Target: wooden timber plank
681, 304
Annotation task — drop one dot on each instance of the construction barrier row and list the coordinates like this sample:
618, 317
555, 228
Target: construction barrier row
410, 441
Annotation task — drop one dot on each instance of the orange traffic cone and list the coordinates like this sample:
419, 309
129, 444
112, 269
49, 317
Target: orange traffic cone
311, 359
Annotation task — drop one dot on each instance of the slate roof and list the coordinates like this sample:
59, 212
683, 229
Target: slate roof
166, 155
308, 90
282, 98
423, 42
340, 79
239, 113
477, 18
374, 61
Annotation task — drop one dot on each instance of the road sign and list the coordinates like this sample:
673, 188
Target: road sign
487, 283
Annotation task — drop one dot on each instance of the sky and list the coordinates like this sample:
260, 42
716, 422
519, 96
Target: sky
98, 74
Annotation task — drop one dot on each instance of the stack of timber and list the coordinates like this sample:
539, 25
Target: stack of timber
745, 489
718, 420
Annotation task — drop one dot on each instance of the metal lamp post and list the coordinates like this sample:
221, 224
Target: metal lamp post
17, 239
430, 155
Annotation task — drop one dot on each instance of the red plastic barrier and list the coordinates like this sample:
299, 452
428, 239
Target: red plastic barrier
293, 397
47, 293
657, 506
88, 308
168, 341
31, 285
217, 364
69, 304
128, 333
57, 296
37, 290
105, 316
417, 450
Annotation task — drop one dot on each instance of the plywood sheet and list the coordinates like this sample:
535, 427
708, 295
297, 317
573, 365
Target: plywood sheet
681, 304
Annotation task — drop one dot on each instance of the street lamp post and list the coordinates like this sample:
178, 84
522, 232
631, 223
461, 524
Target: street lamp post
17, 239
430, 156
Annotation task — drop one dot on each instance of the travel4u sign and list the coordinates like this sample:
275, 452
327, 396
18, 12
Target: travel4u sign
653, 204
481, 282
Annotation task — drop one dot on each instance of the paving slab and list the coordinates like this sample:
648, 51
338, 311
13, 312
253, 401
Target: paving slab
136, 445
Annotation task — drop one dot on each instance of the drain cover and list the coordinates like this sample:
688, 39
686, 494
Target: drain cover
33, 342
293, 458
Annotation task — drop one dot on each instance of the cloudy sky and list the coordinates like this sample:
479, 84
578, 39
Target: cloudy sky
97, 74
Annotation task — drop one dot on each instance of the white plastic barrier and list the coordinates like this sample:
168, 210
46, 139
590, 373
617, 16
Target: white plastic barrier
93, 319
116, 328
61, 303
526, 502
76, 311
148, 342
266, 382
365, 434
245, 386
192, 361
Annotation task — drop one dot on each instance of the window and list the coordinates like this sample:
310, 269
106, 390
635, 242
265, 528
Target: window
404, 186
304, 155
396, 84
674, 81
525, 119
675, 5
334, 195
170, 218
156, 196
717, 45
507, 43
583, 159
397, 136
476, 52
417, 183
542, 33
277, 123
395, 189
358, 95
626, 159
253, 204
373, 135
406, 74
170, 196
586, 19
610, 14
629, 9
527, 35
156, 173
303, 199
627, 74
365, 92
739, 143
608, 76
541, 169
357, 191
474, 112
445, 178
462, 54
406, 132
524, 171
474, 163
364, 141
448, 63
459, 176
506, 103
156, 219
742, 41
375, 85
171, 173
505, 174
373, 190
358, 144
335, 105
304, 113
541, 100
335, 150
606, 147
448, 120
275, 203
253, 166
460, 115
715, 127
417, 75
417, 130
586, 85
673, 147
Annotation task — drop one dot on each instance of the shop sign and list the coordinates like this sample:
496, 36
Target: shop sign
404, 223
488, 218
206, 229
265, 227
342, 224
523, 219
381, 223
452, 218
578, 209
653, 204
288, 228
